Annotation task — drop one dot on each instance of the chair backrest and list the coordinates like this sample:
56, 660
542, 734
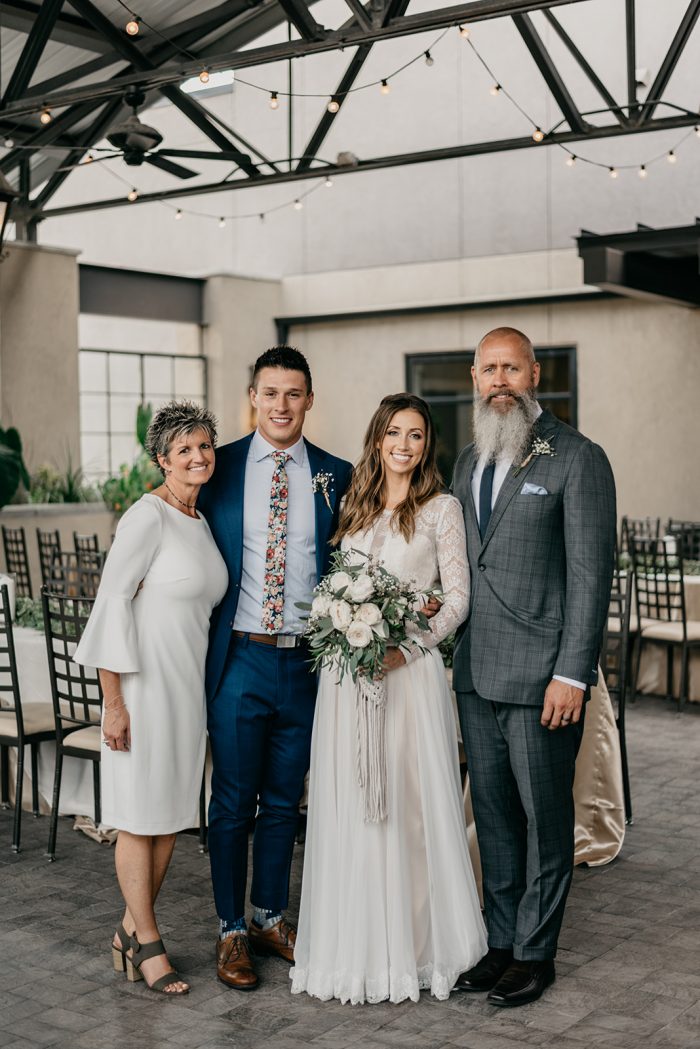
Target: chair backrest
76, 574
645, 527
687, 536
86, 543
9, 680
49, 543
614, 647
75, 690
16, 559
658, 581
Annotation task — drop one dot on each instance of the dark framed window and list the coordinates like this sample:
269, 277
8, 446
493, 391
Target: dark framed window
112, 385
444, 381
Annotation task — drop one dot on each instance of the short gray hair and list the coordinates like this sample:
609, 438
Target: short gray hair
507, 333
177, 419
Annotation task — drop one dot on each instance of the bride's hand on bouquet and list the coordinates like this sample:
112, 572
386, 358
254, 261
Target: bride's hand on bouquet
393, 659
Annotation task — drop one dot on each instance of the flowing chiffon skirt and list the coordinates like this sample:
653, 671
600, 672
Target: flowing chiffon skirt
390, 908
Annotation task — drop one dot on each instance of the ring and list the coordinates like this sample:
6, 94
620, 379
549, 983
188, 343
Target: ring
565, 720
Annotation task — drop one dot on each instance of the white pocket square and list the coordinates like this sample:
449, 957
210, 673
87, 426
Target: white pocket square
533, 489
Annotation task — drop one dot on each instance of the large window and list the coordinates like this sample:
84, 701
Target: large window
444, 381
112, 385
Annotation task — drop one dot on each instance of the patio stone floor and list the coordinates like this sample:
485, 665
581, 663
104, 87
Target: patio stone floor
628, 970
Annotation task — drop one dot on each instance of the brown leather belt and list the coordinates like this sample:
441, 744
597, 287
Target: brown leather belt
278, 640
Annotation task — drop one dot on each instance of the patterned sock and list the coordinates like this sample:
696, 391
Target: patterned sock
264, 918
227, 927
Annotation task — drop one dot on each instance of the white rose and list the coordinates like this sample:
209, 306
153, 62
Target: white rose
361, 588
321, 604
341, 615
340, 580
359, 634
368, 614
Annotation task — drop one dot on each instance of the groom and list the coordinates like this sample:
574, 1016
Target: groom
272, 506
539, 509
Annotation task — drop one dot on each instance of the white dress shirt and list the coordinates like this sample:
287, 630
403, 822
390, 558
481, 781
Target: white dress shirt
300, 561
503, 465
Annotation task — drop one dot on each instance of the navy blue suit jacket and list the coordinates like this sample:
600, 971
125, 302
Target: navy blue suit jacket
221, 502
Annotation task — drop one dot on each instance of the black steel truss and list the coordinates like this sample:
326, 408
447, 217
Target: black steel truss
219, 38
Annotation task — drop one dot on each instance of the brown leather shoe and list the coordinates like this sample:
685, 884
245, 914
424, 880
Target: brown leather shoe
234, 965
280, 939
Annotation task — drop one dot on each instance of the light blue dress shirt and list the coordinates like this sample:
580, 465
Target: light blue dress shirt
300, 562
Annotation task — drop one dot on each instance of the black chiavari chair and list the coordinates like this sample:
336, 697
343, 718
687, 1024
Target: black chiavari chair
86, 544
644, 527
614, 662
687, 536
76, 574
76, 695
49, 543
16, 559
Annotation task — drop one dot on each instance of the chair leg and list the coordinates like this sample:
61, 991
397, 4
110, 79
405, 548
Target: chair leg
683, 690
669, 672
53, 821
623, 761
637, 661
203, 817
4, 777
35, 779
19, 783
97, 792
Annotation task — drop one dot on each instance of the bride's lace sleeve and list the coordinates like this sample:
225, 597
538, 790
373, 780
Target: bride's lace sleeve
453, 568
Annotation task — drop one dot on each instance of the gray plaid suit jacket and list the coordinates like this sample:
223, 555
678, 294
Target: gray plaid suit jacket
541, 577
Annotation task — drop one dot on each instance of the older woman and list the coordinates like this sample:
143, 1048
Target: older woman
148, 636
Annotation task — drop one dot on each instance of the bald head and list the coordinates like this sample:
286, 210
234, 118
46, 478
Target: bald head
508, 338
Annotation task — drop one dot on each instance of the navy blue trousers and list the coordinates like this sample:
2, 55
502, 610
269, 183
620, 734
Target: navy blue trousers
260, 725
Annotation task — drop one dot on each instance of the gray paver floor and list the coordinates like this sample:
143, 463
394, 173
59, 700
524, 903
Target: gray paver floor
628, 968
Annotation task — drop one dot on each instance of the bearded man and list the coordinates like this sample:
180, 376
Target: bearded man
539, 509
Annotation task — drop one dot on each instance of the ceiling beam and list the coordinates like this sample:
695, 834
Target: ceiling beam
646, 111
324, 125
301, 18
407, 25
21, 15
587, 68
359, 14
549, 71
565, 138
631, 50
32, 51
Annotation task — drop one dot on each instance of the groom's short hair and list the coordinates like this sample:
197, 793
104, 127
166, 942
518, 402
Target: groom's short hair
283, 357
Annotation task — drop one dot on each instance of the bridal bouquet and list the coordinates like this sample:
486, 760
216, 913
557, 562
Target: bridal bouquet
359, 610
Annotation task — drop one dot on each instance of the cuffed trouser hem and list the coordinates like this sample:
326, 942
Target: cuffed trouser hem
534, 954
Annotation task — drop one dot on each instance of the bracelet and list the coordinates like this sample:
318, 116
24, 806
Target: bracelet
114, 706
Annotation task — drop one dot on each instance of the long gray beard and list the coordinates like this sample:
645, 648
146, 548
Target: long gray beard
504, 435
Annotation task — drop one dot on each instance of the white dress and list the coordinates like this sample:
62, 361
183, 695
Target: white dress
156, 638
390, 908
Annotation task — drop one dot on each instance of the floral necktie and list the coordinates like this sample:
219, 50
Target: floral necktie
273, 586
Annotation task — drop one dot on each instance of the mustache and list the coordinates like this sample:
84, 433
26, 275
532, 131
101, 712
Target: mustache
498, 393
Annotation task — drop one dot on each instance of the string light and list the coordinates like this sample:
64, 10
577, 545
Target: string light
132, 195
464, 32
132, 26
495, 89
537, 134
204, 76
385, 89
45, 116
429, 60
643, 171
333, 106
672, 158
222, 222
298, 205
613, 172
571, 160
328, 183
178, 214
9, 143
274, 101
697, 131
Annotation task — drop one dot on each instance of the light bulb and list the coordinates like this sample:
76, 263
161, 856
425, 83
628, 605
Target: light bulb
329, 182
571, 160
261, 216
495, 89
465, 32
45, 116
672, 158
537, 134
132, 26
643, 172
178, 214
429, 60
613, 172
9, 143
333, 106
298, 205
697, 130
204, 76
132, 195
385, 89
274, 101
222, 222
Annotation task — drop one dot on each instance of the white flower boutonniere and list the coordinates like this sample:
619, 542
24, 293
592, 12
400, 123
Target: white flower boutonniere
320, 482
540, 446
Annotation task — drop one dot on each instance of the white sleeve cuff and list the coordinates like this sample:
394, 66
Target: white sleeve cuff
570, 681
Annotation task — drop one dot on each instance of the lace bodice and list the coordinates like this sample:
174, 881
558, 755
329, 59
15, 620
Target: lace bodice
436, 557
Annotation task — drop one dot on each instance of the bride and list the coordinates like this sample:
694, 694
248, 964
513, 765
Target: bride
391, 907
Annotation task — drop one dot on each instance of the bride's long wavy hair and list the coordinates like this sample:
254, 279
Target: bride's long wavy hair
366, 496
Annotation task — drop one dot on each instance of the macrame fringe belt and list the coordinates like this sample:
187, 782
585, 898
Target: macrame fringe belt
370, 706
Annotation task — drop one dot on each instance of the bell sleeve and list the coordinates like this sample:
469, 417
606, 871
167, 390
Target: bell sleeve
109, 640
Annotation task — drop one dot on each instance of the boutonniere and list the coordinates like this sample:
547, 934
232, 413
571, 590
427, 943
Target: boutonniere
320, 483
540, 446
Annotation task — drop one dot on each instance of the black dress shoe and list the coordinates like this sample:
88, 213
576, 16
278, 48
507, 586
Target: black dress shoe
487, 972
522, 982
